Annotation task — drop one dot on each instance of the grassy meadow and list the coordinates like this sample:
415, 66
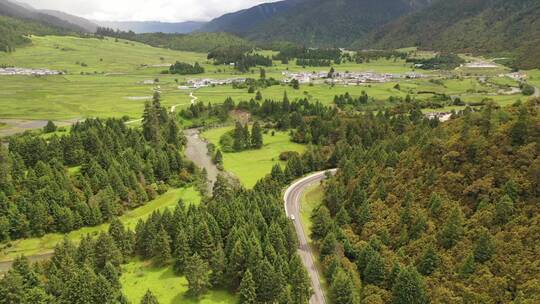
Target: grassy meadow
46, 243
251, 165
113, 78
139, 276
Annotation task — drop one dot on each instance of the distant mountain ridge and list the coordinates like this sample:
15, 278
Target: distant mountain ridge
48, 17
142, 27
314, 22
243, 21
475, 26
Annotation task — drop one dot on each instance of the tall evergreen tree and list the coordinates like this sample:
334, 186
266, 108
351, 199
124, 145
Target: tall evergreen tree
247, 293
484, 247
300, 282
162, 247
375, 271
239, 137
256, 136
149, 298
182, 252
452, 229
322, 223
409, 288
197, 275
342, 288
429, 261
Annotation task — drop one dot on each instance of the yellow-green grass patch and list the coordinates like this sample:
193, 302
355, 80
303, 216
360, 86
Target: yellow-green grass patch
251, 165
140, 276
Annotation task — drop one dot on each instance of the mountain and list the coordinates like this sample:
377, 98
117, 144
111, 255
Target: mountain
497, 27
50, 18
87, 25
243, 21
154, 26
314, 22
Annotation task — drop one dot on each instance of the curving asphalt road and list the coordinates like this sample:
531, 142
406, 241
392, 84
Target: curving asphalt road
292, 198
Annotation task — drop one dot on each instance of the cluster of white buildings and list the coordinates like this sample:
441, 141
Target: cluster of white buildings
517, 76
346, 78
208, 82
28, 72
442, 116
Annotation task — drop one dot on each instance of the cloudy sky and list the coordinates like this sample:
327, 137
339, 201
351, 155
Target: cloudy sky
145, 10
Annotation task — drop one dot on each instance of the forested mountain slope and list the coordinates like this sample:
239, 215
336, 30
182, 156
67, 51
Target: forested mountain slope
436, 213
153, 26
314, 22
56, 19
243, 21
479, 26
13, 32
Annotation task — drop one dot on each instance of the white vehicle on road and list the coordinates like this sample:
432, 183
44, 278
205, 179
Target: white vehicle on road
292, 217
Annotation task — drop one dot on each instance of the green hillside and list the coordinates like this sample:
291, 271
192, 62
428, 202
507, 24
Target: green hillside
482, 26
196, 42
331, 23
13, 32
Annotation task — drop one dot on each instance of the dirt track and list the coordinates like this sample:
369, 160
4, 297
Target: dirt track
197, 152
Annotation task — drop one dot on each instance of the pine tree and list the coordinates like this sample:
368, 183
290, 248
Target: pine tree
504, 208
342, 288
203, 242
429, 261
50, 127
218, 158
452, 229
149, 298
162, 248
299, 280
197, 275
247, 137
468, 267
182, 253
375, 271
519, 131
217, 265
239, 137
484, 247
256, 136
106, 252
247, 293
277, 173
267, 282
322, 223
409, 288
173, 133
328, 245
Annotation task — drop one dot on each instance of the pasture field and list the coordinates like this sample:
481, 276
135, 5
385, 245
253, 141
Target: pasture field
46, 243
534, 77
139, 276
251, 165
89, 55
110, 78
82, 96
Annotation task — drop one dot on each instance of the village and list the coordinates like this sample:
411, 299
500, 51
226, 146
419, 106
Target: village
346, 78
209, 82
10, 71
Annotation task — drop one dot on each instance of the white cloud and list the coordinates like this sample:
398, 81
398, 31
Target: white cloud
145, 10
